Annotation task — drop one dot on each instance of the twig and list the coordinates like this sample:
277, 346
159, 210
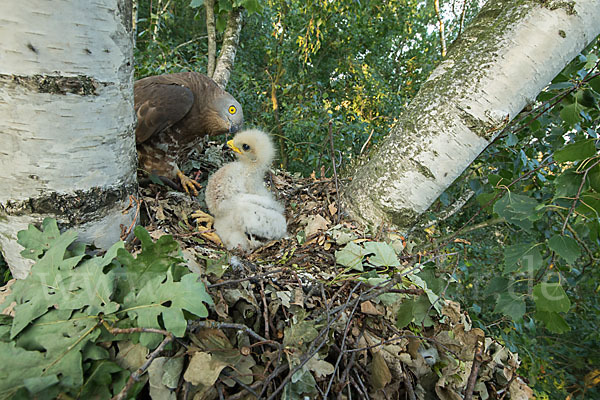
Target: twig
242, 384
242, 394
314, 348
367, 142
576, 200
365, 392
193, 325
248, 278
220, 390
436, 4
343, 345
134, 377
265, 308
117, 331
335, 177
410, 390
126, 232
477, 360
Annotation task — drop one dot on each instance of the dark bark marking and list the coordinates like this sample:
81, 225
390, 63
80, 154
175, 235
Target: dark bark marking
76, 208
55, 84
32, 48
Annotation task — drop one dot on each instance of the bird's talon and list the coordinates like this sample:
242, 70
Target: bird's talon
206, 230
201, 216
188, 184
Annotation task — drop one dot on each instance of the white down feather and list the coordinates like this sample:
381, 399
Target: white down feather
245, 212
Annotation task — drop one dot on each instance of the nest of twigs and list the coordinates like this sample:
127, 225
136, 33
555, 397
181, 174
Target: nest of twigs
289, 321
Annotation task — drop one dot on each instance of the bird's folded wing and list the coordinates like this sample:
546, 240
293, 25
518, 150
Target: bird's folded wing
261, 222
159, 106
265, 201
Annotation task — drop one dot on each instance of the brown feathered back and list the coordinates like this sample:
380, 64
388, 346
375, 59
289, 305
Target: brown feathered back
190, 102
174, 112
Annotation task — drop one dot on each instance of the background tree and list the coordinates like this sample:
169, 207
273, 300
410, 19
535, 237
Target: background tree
483, 84
66, 121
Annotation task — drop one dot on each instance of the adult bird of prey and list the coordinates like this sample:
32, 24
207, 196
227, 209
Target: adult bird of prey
174, 112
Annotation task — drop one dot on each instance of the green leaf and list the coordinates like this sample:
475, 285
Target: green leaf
196, 3
579, 150
24, 364
589, 205
593, 178
526, 254
217, 267
497, 285
154, 259
36, 242
62, 337
567, 184
39, 383
550, 297
553, 321
221, 22
161, 297
302, 383
224, 5
253, 6
351, 256
511, 305
591, 60
595, 84
383, 254
421, 310
570, 113
55, 282
100, 377
566, 247
518, 209
405, 313
300, 334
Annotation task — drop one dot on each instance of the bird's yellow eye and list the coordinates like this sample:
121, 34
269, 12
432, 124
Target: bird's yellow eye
232, 109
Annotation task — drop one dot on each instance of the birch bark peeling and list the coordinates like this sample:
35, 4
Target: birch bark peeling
500, 63
66, 120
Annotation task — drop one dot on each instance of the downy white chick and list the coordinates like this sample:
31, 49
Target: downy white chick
245, 212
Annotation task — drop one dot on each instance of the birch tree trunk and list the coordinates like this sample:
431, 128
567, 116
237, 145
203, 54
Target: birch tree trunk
508, 54
231, 39
66, 120
212, 37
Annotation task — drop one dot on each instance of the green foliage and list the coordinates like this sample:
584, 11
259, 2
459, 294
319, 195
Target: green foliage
540, 180
377, 261
303, 64
51, 346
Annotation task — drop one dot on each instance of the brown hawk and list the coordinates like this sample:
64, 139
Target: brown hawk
174, 112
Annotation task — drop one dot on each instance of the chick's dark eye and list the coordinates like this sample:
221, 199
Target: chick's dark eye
245, 147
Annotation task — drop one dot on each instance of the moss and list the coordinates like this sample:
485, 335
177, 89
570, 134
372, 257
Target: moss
568, 6
424, 170
403, 218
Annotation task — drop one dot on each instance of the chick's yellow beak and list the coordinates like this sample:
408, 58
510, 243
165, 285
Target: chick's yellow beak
232, 147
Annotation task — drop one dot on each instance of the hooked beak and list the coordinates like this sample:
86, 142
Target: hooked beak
232, 147
233, 128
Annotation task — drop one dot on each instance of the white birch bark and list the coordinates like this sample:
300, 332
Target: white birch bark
67, 147
508, 54
212, 37
231, 39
